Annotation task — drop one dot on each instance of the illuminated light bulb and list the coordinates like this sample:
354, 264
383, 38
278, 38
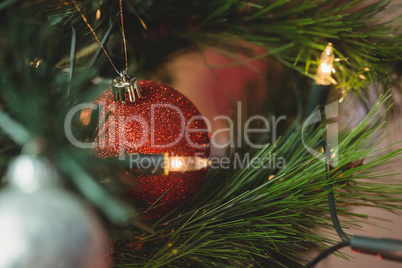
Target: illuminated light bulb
326, 66
98, 14
176, 163
36, 62
187, 163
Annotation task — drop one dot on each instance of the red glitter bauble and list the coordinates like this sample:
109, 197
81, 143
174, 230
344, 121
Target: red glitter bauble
149, 126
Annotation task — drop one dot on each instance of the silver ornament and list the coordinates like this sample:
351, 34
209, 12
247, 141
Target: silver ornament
43, 226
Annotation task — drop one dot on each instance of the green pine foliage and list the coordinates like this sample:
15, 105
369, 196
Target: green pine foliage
244, 217
292, 31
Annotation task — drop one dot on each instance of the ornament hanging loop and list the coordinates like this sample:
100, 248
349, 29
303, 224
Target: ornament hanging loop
126, 86
123, 85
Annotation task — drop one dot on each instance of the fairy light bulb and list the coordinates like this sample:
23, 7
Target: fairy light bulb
163, 164
187, 163
176, 163
326, 66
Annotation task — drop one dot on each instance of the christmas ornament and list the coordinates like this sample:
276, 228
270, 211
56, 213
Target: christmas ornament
43, 226
165, 191
163, 121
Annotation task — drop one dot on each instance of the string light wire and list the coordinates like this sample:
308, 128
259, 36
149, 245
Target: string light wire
326, 252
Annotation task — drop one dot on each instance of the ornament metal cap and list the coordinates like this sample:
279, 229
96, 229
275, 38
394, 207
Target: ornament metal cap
126, 85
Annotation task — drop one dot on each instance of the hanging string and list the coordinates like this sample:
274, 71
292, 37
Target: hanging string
124, 36
96, 37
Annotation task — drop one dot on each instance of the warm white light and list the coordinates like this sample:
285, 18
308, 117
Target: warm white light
326, 66
186, 163
176, 163
98, 14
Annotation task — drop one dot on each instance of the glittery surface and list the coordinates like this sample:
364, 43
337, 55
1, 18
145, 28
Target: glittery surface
161, 117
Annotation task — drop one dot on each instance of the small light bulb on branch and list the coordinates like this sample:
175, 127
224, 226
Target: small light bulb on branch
320, 88
187, 163
326, 66
98, 14
163, 164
